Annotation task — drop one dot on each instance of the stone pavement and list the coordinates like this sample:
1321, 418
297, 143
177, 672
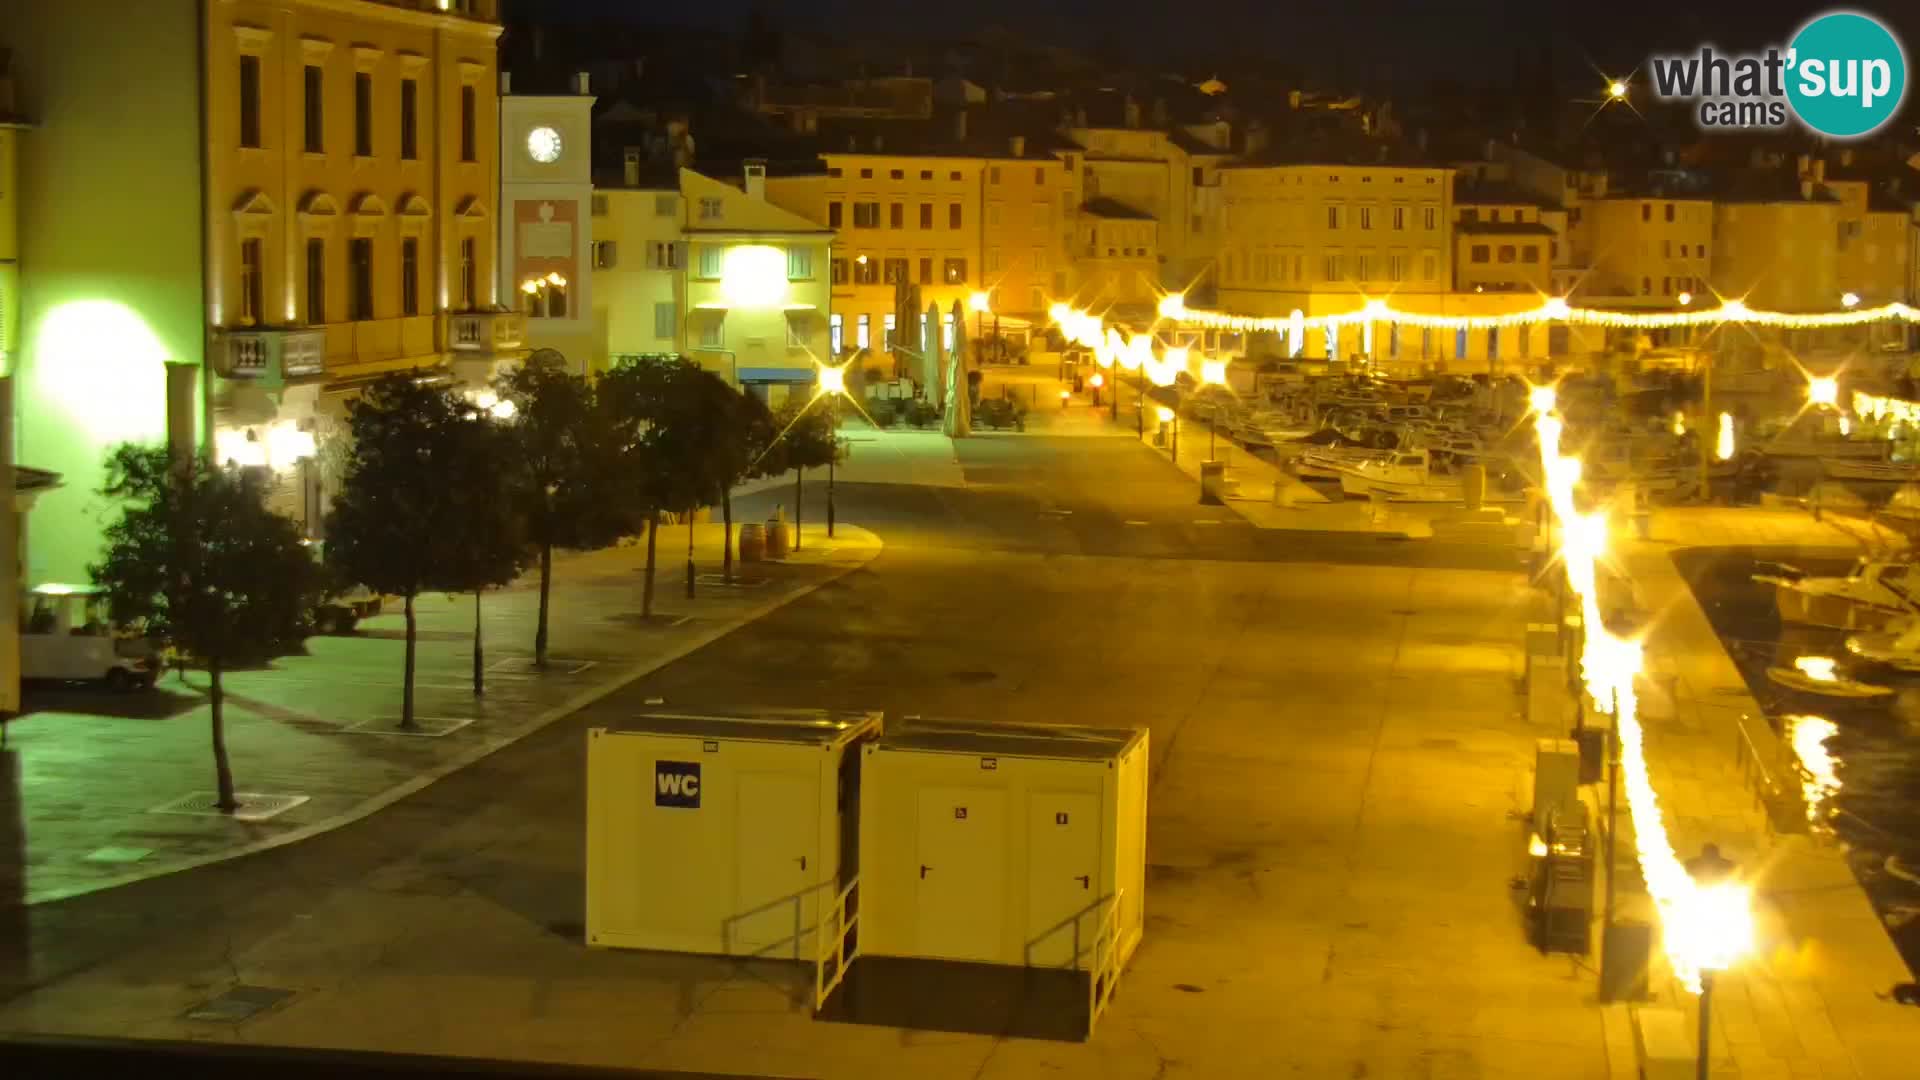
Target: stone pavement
1808, 1003
878, 456
116, 788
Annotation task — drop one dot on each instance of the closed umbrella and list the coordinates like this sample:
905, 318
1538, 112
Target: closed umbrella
935, 367
958, 422
907, 345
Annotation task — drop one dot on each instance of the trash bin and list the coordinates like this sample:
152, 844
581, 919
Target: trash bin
752, 545
1213, 476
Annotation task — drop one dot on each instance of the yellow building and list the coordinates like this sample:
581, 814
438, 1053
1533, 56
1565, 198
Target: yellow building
1026, 226
1118, 253
638, 274
899, 217
757, 293
352, 169
1646, 251
1502, 242
1173, 176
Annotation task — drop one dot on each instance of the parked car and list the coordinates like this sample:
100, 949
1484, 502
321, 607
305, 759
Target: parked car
67, 637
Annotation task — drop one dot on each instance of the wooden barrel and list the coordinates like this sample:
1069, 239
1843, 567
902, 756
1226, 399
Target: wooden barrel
753, 543
776, 539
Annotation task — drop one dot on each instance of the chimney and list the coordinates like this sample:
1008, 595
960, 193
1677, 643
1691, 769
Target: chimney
960, 126
506, 84
1132, 112
756, 179
630, 166
1080, 117
582, 83
1018, 144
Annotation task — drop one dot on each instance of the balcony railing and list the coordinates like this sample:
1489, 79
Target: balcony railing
486, 331
271, 355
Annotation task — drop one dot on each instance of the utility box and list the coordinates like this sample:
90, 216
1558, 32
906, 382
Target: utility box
721, 832
1007, 844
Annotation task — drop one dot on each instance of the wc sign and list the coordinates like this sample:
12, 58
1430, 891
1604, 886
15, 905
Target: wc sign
676, 783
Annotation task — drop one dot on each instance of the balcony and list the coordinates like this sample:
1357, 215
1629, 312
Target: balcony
486, 331
383, 342
271, 356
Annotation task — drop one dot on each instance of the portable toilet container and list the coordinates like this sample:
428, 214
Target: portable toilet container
1004, 844
721, 832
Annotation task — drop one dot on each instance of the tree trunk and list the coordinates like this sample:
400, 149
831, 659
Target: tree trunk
406, 691
479, 652
222, 771
646, 595
546, 587
726, 548
799, 492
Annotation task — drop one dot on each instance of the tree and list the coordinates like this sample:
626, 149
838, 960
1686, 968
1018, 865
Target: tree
562, 455
807, 440
394, 521
745, 455
488, 547
657, 410
197, 555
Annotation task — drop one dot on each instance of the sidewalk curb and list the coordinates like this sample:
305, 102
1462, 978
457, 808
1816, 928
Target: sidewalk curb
376, 803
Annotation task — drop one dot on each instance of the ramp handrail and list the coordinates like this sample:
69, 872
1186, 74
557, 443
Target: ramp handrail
830, 943
1103, 969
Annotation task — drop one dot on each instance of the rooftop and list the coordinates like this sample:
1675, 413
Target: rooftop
820, 727
1011, 740
1497, 194
1103, 207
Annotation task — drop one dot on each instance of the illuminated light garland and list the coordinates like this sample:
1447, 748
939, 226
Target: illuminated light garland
1723, 449
1704, 927
1554, 309
1875, 407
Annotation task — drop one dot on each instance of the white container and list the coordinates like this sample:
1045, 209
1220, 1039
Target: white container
1002, 844
720, 832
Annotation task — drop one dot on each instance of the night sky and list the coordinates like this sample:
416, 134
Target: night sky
1472, 41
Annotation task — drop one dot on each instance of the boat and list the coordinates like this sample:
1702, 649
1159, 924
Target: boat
1878, 472
1327, 462
1819, 676
1869, 597
1897, 646
1410, 476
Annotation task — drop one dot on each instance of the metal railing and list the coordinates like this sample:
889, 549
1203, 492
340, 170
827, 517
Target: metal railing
832, 951
486, 331
1103, 970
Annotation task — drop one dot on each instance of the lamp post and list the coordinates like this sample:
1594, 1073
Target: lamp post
979, 303
1168, 416
833, 383
1212, 373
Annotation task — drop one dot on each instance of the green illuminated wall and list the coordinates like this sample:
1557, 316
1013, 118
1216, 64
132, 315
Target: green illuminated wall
111, 227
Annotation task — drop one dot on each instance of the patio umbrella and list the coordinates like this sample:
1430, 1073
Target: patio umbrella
907, 346
933, 359
958, 422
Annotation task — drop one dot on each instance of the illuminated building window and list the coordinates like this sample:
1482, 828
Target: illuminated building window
799, 264
866, 271
713, 330
1646, 211
954, 175
664, 318
1333, 217
409, 275
834, 333
946, 331
664, 255
955, 272
1396, 268
1363, 268
866, 174
1669, 212
887, 323
895, 271
315, 142
1429, 217
469, 120
250, 101
1332, 268
605, 254
799, 330
252, 289
409, 119
469, 273
316, 281
862, 331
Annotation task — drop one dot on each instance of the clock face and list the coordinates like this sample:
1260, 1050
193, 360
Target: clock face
543, 145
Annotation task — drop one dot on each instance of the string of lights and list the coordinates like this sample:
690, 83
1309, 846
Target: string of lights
1554, 309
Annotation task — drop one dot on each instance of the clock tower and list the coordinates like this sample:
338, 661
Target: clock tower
546, 216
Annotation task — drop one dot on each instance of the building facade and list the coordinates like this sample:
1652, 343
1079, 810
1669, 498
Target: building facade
1647, 251
547, 244
352, 171
639, 269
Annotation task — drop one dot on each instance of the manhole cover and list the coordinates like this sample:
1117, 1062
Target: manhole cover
254, 806
237, 1004
973, 676
427, 727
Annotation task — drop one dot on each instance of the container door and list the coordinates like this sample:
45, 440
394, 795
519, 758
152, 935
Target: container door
776, 865
1063, 877
962, 872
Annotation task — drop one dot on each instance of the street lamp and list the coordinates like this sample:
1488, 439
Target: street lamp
1720, 924
1617, 90
1850, 299
832, 382
1096, 381
1686, 298
980, 303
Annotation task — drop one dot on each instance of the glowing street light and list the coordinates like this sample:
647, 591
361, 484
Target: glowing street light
1167, 417
1823, 390
1723, 449
1542, 399
1173, 306
1685, 299
832, 382
1617, 89
1849, 300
